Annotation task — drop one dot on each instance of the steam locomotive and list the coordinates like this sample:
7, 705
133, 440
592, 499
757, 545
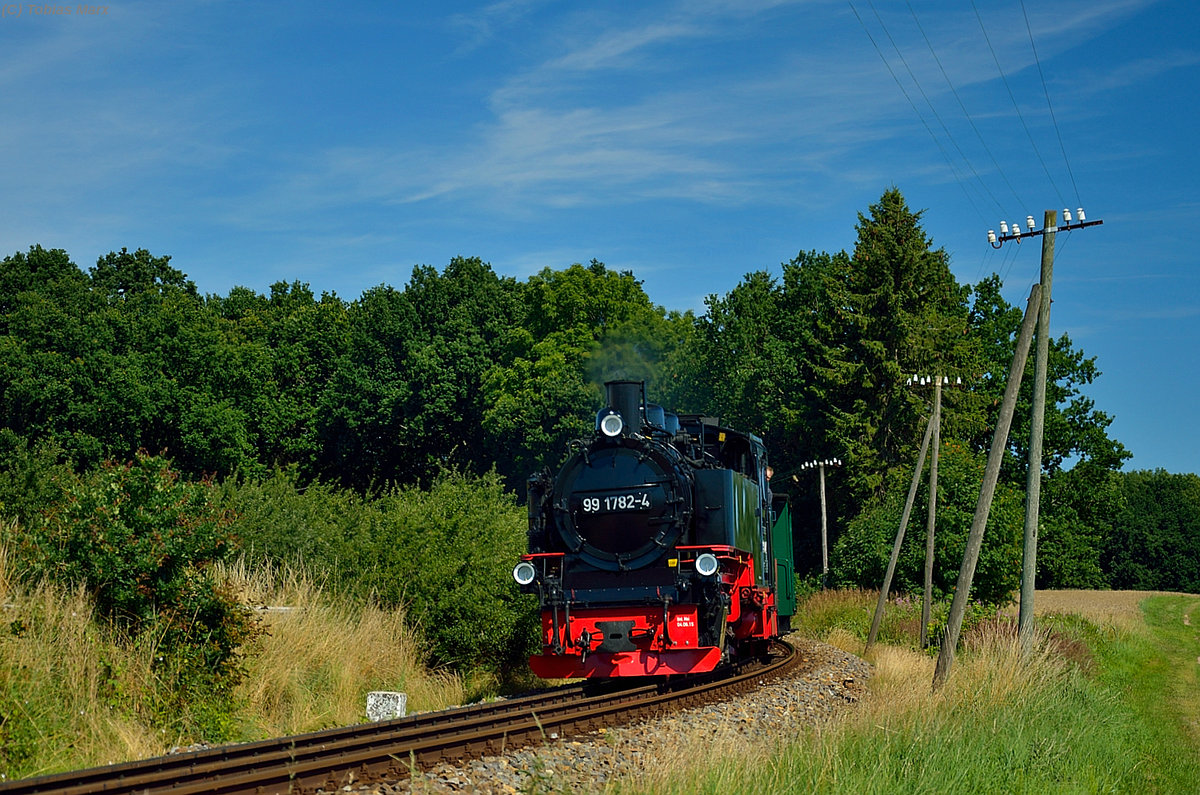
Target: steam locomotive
656, 549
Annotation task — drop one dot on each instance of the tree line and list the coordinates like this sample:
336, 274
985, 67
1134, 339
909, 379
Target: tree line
460, 366
464, 371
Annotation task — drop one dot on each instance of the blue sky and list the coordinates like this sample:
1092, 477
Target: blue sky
340, 144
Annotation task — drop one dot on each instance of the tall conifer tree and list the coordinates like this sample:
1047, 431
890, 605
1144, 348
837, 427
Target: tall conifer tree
895, 310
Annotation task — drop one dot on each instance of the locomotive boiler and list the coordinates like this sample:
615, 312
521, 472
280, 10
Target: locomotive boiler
656, 549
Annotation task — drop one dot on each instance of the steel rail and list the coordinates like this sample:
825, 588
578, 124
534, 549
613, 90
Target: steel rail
333, 758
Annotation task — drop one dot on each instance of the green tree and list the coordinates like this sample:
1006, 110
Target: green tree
584, 325
119, 275
51, 352
896, 311
272, 359
591, 297
307, 337
537, 402
861, 554
362, 425
1155, 540
91, 362
407, 395
1078, 511
46, 272
741, 356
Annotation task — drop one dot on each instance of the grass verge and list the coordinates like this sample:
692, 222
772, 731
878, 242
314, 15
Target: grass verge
1093, 708
74, 692
321, 656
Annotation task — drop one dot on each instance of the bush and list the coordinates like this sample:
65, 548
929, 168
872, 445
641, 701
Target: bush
139, 540
29, 475
445, 554
320, 528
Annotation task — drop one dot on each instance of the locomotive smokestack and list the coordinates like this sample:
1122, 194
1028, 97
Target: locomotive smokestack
627, 398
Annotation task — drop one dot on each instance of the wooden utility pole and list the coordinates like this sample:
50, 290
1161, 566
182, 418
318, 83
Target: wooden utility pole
991, 474
824, 534
891, 569
820, 465
1033, 482
932, 517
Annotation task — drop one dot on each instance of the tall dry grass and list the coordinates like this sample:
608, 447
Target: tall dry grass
70, 689
75, 693
320, 656
852, 609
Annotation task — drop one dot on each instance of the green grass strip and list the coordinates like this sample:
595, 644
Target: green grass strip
1157, 675
1127, 724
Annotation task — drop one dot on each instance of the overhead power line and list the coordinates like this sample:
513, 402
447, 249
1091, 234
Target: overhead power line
945, 155
1016, 105
962, 167
962, 106
916, 82
1046, 91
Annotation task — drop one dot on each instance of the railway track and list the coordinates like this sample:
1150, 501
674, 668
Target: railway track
327, 760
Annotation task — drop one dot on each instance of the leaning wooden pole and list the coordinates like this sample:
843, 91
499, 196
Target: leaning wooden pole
891, 569
991, 474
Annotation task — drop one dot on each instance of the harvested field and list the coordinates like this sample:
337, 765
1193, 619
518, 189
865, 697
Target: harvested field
1118, 608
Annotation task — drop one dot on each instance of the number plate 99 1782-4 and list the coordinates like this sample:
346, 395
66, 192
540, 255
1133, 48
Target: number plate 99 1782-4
630, 501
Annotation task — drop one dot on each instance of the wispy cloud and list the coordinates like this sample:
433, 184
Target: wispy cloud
481, 26
576, 128
616, 48
1139, 72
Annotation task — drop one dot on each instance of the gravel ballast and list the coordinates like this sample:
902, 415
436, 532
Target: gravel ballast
828, 681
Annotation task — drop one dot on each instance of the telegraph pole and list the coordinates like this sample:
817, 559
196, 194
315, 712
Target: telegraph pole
931, 521
932, 430
1033, 482
820, 466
